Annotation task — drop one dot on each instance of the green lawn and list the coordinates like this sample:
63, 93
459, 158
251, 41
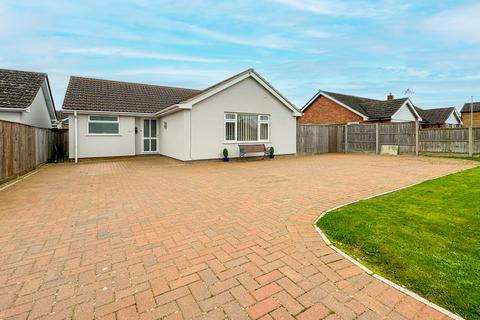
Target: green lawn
426, 238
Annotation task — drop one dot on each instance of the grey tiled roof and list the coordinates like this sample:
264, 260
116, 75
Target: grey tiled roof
19, 88
371, 108
466, 107
116, 96
435, 116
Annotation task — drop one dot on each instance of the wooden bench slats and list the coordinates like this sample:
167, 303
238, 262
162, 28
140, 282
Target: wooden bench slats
252, 148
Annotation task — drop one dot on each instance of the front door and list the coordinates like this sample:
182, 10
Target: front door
150, 143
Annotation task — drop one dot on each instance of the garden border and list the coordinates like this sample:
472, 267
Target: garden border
370, 272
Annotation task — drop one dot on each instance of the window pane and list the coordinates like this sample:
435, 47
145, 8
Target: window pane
230, 116
264, 131
230, 131
247, 127
102, 128
153, 145
103, 118
146, 144
154, 128
146, 128
263, 118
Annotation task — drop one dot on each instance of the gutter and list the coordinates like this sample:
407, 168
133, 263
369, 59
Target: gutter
15, 109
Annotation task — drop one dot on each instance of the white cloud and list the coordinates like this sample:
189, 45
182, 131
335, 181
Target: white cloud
269, 41
187, 72
410, 71
460, 23
128, 53
328, 7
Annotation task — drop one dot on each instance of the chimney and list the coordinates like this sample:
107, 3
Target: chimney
390, 97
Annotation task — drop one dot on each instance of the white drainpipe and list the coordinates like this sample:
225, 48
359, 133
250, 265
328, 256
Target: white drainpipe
76, 136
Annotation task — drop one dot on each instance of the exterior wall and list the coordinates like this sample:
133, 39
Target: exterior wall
122, 144
174, 138
326, 111
404, 114
466, 119
247, 96
38, 115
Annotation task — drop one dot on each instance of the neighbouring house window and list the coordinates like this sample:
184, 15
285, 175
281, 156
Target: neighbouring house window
103, 125
246, 127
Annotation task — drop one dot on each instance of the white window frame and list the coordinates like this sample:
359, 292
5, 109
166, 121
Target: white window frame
259, 121
234, 121
89, 120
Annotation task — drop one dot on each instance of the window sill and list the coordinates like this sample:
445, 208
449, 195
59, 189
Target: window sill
102, 134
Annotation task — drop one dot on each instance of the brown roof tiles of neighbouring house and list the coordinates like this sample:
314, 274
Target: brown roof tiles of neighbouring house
19, 88
467, 106
116, 96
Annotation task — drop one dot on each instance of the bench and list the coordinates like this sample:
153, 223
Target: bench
252, 148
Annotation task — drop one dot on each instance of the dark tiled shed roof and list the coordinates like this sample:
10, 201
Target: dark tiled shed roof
435, 116
115, 96
467, 106
19, 88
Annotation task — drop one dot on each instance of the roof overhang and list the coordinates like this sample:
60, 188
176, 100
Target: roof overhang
27, 109
116, 113
321, 93
457, 114
188, 104
47, 93
409, 105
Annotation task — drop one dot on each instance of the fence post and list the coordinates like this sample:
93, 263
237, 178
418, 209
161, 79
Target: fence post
417, 131
470, 142
346, 138
377, 139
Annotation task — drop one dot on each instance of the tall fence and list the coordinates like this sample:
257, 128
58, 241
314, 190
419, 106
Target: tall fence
23, 148
371, 137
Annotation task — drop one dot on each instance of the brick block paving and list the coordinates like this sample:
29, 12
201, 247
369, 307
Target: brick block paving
153, 238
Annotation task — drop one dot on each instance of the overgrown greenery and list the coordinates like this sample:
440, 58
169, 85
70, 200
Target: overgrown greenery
426, 238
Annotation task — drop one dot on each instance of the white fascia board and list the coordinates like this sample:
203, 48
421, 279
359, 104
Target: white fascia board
311, 101
15, 109
131, 114
457, 114
412, 108
47, 93
267, 86
232, 82
321, 93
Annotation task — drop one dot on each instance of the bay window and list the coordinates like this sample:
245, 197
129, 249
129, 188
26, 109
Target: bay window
247, 127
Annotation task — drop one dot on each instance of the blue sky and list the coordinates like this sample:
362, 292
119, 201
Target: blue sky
367, 48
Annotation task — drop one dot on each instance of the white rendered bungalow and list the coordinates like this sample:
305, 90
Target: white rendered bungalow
112, 118
25, 98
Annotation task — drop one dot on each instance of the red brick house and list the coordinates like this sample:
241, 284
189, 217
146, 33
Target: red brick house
335, 108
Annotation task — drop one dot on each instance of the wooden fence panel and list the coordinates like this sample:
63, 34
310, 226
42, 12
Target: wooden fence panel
361, 138
312, 139
445, 140
23, 148
400, 134
476, 140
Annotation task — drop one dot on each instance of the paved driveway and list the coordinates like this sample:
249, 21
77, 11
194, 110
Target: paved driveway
154, 238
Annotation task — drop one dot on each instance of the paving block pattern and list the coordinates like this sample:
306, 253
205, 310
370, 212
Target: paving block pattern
153, 238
